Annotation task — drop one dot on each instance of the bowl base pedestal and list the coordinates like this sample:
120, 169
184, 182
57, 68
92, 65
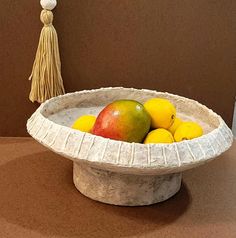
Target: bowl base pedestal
124, 189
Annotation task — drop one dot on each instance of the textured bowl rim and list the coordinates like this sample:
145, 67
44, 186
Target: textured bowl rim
221, 136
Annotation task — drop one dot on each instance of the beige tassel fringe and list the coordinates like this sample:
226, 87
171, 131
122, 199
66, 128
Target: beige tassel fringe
46, 73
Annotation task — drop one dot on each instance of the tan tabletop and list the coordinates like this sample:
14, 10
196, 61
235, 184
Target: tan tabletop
38, 199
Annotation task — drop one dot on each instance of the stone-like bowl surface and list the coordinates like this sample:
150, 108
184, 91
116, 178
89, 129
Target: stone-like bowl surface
50, 125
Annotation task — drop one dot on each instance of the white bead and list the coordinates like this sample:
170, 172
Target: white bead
48, 4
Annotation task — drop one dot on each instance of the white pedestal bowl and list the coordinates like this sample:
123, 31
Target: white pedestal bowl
122, 173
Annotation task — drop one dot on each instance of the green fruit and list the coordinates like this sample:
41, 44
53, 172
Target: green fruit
125, 120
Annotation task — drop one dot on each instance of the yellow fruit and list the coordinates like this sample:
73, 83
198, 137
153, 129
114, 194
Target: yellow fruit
162, 112
188, 131
84, 123
174, 126
159, 136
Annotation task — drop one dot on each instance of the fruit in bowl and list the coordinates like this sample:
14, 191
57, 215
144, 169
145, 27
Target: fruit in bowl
188, 131
84, 123
125, 120
162, 112
159, 136
130, 121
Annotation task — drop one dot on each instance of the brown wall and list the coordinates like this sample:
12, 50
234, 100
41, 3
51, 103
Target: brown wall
184, 47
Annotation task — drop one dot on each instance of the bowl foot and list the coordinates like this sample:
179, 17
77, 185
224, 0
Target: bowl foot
124, 189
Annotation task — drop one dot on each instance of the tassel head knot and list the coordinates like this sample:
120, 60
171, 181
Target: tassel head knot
46, 17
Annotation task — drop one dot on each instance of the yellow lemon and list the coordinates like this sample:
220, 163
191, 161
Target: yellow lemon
174, 126
162, 112
188, 131
159, 136
84, 123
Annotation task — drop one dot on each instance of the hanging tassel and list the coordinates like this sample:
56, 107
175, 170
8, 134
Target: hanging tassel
46, 73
